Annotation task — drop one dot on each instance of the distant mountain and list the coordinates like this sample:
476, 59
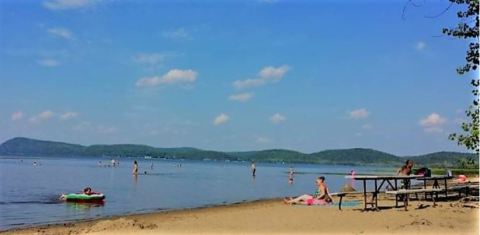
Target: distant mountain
447, 159
21, 146
356, 155
30, 147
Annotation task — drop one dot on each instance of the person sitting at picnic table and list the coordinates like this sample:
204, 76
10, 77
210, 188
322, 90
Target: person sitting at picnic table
320, 197
406, 170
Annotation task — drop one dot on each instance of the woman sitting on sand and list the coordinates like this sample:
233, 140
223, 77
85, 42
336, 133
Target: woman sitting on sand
320, 197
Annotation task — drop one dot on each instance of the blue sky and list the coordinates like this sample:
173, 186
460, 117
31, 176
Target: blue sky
233, 75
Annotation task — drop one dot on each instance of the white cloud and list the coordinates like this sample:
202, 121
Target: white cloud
420, 45
149, 58
43, 116
17, 116
434, 119
433, 123
272, 72
221, 119
277, 118
61, 33
359, 113
179, 33
48, 62
267, 75
173, 76
241, 97
68, 115
67, 4
247, 83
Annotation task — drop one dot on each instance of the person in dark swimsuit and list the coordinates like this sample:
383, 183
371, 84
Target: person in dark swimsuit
320, 196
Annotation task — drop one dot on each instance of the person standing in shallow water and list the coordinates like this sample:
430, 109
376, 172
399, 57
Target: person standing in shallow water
253, 167
135, 168
291, 172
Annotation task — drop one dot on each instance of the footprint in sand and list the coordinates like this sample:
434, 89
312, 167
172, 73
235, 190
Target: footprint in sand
421, 222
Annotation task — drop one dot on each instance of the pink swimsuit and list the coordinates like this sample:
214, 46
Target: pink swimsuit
314, 201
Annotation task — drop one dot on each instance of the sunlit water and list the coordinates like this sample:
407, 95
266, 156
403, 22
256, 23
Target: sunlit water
29, 194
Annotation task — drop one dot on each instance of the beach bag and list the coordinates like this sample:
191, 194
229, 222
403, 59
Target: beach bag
424, 171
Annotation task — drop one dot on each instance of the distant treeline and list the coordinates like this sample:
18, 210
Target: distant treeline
357, 156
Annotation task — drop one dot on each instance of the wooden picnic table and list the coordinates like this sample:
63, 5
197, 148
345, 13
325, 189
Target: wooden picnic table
390, 180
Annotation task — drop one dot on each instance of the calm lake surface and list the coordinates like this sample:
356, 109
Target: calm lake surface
29, 193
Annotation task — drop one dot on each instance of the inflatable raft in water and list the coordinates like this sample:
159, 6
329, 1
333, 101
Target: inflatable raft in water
81, 197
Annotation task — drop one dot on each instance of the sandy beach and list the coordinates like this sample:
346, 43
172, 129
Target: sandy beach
274, 217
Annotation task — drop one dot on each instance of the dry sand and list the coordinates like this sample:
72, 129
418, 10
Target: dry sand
274, 217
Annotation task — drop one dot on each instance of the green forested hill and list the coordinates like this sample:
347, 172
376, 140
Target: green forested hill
359, 156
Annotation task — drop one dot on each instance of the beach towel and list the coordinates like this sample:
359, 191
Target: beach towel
352, 203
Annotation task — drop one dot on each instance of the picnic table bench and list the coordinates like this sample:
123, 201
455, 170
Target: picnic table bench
466, 189
404, 194
340, 195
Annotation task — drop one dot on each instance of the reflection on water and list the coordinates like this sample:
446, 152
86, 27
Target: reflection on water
29, 194
83, 205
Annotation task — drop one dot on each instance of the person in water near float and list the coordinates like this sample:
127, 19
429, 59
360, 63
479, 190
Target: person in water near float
254, 168
88, 191
320, 197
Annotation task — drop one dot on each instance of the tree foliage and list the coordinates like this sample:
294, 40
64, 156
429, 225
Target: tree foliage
468, 29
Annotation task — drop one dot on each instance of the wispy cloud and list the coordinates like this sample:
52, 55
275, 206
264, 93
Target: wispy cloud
433, 123
221, 119
43, 116
171, 77
67, 4
179, 33
277, 118
48, 62
61, 33
359, 113
16, 116
267, 75
68, 115
241, 97
420, 45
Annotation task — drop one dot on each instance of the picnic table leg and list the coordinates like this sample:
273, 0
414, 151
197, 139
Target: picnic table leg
374, 197
405, 201
396, 195
365, 194
446, 191
425, 187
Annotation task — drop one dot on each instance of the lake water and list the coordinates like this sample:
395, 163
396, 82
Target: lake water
29, 193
